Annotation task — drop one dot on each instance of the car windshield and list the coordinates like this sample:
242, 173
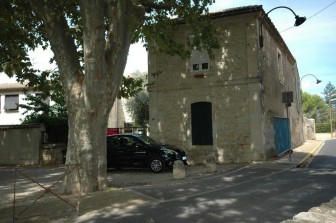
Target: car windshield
148, 141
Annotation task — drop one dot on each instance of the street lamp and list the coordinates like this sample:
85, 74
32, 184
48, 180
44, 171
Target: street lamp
317, 80
298, 21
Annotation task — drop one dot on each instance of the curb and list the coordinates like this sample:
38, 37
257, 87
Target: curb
303, 163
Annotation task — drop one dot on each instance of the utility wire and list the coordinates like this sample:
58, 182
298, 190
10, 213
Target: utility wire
311, 16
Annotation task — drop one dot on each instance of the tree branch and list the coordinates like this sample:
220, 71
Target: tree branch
61, 42
123, 18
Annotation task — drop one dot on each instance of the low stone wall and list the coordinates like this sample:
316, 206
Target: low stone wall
199, 155
53, 154
309, 129
20, 144
322, 136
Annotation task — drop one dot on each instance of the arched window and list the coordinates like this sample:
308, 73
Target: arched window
201, 123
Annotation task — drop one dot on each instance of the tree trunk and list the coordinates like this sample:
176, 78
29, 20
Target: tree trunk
90, 93
86, 144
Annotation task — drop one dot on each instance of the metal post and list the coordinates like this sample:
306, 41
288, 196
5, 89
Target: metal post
14, 194
289, 135
331, 121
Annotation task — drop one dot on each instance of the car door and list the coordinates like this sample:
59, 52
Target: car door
135, 151
140, 152
115, 154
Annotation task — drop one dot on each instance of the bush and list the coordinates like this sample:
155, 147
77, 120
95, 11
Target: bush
324, 127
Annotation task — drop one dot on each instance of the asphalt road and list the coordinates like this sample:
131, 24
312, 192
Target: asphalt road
249, 194
326, 158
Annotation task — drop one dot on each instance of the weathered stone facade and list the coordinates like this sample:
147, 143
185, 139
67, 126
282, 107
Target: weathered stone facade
242, 84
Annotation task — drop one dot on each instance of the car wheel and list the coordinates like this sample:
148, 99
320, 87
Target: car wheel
156, 164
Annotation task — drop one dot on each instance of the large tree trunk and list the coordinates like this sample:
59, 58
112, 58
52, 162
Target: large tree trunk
90, 93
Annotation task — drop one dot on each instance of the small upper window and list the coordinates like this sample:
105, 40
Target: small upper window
200, 59
11, 102
280, 68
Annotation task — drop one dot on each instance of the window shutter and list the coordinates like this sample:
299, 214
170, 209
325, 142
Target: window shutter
11, 102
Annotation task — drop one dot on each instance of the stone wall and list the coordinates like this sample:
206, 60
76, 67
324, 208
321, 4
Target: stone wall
309, 129
242, 86
53, 154
231, 85
20, 144
275, 82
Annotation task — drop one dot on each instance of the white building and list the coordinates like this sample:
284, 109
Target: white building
13, 94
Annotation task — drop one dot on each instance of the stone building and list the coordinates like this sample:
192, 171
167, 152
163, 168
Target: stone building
242, 105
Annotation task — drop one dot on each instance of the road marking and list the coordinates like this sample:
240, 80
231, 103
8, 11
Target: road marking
310, 154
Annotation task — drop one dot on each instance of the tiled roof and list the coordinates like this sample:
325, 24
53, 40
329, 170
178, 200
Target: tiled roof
13, 86
230, 12
22, 126
236, 11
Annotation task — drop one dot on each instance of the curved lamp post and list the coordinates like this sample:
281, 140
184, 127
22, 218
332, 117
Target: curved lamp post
317, 80
298, 21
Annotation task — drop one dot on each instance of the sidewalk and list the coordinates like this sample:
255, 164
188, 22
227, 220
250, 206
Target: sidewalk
302, 155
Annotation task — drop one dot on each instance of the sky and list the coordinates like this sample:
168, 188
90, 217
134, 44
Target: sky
313, 44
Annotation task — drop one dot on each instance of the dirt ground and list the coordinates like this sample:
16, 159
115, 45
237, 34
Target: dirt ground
34, 202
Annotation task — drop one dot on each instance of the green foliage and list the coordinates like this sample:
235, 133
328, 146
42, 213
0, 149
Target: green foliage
159, 29
55, 116
130, 87
21, 31
17, 17
138, 106
313, 106
329, 91
324, 127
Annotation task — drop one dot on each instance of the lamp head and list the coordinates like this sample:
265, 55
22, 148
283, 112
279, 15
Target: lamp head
299, 20
318, 81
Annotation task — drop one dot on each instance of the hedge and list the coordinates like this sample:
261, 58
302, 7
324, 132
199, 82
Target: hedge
324, 127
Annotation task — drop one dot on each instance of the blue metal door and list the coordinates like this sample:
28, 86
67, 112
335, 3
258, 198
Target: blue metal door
281, 135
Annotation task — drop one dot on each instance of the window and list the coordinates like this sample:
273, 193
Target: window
280, 68
201, 121
199, 59
11, 102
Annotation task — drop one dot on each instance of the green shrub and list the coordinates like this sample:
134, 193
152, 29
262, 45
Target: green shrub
324, 127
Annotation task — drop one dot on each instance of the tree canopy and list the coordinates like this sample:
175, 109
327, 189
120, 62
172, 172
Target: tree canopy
329, 93
149, 20
314, 107
138, 106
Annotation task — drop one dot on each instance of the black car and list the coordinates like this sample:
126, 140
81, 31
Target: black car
135, 150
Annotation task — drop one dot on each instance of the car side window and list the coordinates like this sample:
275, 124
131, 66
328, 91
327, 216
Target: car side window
127, 142
113, 143
123, 142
